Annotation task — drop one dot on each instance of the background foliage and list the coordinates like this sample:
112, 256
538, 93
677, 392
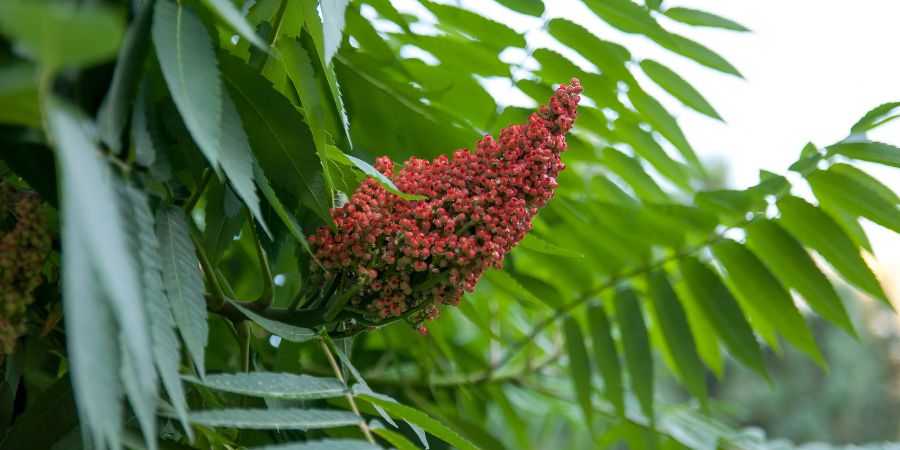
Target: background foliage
213, 134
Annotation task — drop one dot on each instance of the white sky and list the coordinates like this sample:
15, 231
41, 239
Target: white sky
812, 68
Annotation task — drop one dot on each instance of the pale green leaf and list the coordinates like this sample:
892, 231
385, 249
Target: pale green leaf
876, 117
686, 47
679, 88
817, 230
228, 13
766, 302
644, 144
876, 152
529, 7
629, 17
62, 34
332, 26
790, 263
634, 174
606, 357
184, 286
394, 438
274, 385
837, 189
702, 19
274, 419
335, 154
609, 57
663, 122
495, 34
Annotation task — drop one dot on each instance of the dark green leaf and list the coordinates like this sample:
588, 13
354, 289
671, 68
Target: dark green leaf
494, 34
790, 263
44, 421
764, 299
678, 87
636, 176
609, 57
817, 230
534, 243
335, 154
394, 438
61, 35
606, 357
284, 147
184, 286
274, 385
275, 419
579, 368
636, 346
114, 110
721, 311
837, 189
876, 152
18, 95
421, 419
325, 444
188, 63
643, 144
702, 19
861, 177
677, 334
686, 47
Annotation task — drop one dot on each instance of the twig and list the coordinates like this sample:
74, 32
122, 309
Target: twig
347, 394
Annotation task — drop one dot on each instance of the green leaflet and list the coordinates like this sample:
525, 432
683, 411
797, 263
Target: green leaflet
421, 419
636, 346
184, 286
274, 419
611, 57
61, 35
679, 88
678, 338
790, 263
188, 62
286, 331
326, 444
335, 154
629, 17
702, 19
876, 117
766, 302
166, 348
634, 174
494, 34
721, 311
530, 7
229, 14
817, 230
274, 385
534, 243
833, 188
606, 357
688, 48
579, 368
284, 148
660, 119
876, 152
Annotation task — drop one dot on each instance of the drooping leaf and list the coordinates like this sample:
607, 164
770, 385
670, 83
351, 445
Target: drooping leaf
286, 217
61, 35
188, 63
817, 230
283, 146
678, 87
579, 368
660, 119
274, 385
274, 419
837, 189
688, 48
184, 286
286, 331
419, 418
166, 348
722, 312
876, 152
790, 263
230, 15
677, 334
764, 299
606, 357
636, 346
699, 18
114, 110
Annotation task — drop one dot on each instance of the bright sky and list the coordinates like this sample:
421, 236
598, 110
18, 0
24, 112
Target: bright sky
811, 67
